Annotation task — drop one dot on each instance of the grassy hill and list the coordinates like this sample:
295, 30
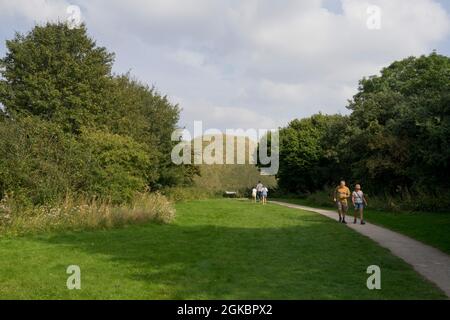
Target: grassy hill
232, 177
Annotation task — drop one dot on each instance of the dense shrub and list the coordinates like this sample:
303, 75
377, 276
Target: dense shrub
38, 161
69, 126
309, 155
117, 167
82, 214
396, 141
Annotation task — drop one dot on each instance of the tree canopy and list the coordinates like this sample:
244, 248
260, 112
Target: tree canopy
396, 139
71, 126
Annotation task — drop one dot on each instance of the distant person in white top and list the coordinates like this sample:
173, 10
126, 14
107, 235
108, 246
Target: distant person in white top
264, 193
359, 201
254, 194
259, 188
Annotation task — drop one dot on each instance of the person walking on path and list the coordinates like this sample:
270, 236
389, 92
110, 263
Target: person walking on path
264, 194
359, 201
341, 195
254, 195
259, 188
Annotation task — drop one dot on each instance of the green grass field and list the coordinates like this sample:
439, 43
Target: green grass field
216, 249
430, 228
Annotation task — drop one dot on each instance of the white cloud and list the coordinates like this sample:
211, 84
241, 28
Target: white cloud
288, 92
217, 116
193, 59
253, 63
34, 10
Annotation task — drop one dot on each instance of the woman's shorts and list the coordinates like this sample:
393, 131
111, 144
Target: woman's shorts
359, 206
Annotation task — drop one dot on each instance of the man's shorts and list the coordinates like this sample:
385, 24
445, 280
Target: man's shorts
342, 205
359, 206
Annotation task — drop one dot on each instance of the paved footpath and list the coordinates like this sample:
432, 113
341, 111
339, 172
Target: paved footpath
431, 263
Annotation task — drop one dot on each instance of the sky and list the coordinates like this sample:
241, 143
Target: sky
250, 64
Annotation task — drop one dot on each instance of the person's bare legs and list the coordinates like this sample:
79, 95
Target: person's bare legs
344, 212
361, 214
356, 216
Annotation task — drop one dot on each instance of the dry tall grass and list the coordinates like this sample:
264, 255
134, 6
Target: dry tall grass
83, 215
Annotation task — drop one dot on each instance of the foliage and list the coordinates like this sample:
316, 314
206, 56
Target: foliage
308, 152
57, 74
148, 118
396, 142
118, 166
401, 123
69, 126
39, 162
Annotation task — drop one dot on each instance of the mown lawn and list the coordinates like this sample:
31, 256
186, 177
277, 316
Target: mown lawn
430, 228
216, 249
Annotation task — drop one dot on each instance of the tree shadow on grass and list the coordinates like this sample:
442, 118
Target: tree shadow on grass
312, 260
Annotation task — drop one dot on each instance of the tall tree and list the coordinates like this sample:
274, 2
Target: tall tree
58, 74
402, 122
149, 118
308, 153
96, 134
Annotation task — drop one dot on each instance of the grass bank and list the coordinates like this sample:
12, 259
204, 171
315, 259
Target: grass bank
214, 249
